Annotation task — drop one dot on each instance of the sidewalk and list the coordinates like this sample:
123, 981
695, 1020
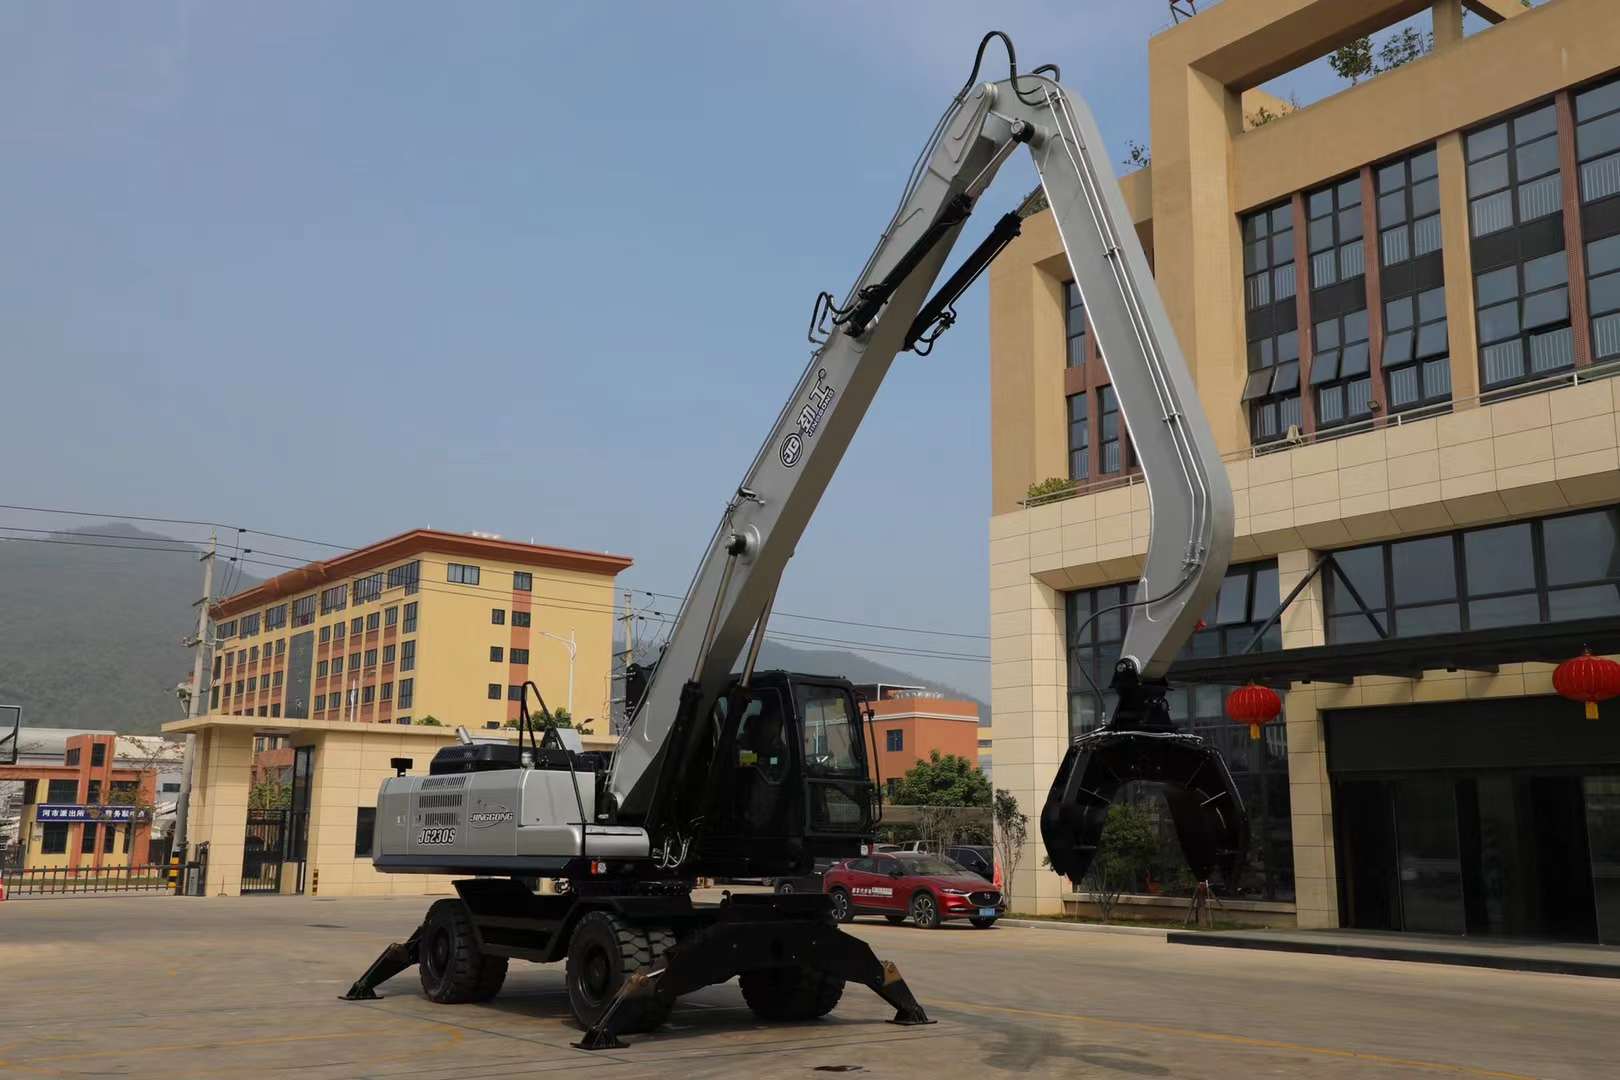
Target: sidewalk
1560, 958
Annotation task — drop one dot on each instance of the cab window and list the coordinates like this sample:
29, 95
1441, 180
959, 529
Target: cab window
830, 742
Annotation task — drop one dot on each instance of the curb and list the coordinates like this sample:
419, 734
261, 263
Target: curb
1088, 928
1367, 951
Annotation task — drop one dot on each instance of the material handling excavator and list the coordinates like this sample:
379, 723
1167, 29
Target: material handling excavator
728, 771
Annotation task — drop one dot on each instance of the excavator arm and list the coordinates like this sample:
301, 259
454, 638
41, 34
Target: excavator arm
659, 766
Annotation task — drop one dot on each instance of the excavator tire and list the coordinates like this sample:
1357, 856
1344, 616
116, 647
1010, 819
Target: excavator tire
605, 951
453, 969
790, 993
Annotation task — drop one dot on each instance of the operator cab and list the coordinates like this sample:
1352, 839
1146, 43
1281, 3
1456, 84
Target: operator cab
791, 777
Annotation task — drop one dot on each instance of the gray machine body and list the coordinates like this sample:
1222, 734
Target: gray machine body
518, 820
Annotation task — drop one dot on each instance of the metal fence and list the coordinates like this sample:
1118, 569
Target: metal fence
66, 880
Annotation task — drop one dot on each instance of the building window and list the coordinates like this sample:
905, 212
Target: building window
404, 720
303, 610
1417, 364
365, 827
461, 574
1408, 208
1271, 320
1079, 437
368, 588
894, 739
387, 692
1334, 232
109, 838
514, 692
407, 692
374, 621
213, 698
388, 654
321, 668
238, 687
98, 755
337, 665
275, 618
62, 791
277, 679
1340, 369
520, 656
253, 654
230, 661
253, 683
522, 581
494, 691
1524, 308
281, 647
391, 616
408, 577
497, 616
891, 787
1603, 291
326, 634
371, 657
368, 694
94, 797
1075, 324
409, 625
496, 654
1528, 572
334, 700
357, 624
1112, 442
87, 838
250, 624
71, 757
1513, 172
53, 839
275, 709
354, 661
1247, 598
225, 631
334, 599
1597, 147
340, 630
407, 656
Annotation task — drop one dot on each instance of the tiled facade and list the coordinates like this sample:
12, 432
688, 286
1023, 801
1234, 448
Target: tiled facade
1361, 469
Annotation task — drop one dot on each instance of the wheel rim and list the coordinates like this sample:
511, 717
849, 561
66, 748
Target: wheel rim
787, 887
840, 905
594, 976
438, 951
923, 908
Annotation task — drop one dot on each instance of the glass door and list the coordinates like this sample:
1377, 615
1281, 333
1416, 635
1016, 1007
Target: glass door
1430, 870
1603, 836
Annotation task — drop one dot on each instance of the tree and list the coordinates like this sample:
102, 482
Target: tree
428, 721
270, 794
1353, 60
560, 717
1012, 829
1125, 849
943, 780
1137, 155
1050, 486
1403, 48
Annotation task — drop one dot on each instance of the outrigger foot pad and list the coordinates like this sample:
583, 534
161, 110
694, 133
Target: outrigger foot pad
894, 990
394, 959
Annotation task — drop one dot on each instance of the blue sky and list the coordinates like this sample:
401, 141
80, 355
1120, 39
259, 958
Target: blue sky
540, 269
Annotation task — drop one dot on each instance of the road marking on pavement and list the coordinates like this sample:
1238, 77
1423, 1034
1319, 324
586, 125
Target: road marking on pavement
1239, 1040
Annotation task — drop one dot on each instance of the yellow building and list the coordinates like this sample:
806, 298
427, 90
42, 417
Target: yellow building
1401, 309
378, 654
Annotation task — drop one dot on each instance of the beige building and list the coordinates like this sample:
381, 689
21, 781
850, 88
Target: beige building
378, 654
1401, 308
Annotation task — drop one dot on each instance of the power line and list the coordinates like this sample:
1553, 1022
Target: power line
844, 622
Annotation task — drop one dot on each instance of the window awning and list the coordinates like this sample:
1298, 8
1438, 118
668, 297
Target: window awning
1407, 657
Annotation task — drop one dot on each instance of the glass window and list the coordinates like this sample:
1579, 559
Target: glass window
1582, 548
407, 656
409, 626
1513, 172
1597, 141
1079, 437
461, 574
1408, 208
522, 581
1271, 393
494, 691
497, 616
497, 654
1339, 370
894, 739
1075, 323
1334, 233
1112, 454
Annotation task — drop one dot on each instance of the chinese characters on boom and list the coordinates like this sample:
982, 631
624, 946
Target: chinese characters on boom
809, 418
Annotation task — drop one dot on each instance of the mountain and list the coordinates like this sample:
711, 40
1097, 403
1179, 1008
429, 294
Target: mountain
91, 623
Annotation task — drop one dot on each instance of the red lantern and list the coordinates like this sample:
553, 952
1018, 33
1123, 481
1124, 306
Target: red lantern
1588, 678
1256, 705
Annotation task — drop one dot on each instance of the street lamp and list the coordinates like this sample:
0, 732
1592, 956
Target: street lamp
573, 651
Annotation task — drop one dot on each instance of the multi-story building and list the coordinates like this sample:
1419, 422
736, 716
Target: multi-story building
908, 727
84, 808
1401, 306
328, 674
423, 624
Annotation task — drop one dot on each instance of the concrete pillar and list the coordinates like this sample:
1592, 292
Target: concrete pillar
1464, 337
1448, 23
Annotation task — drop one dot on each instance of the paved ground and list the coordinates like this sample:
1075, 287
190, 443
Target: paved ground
178, 988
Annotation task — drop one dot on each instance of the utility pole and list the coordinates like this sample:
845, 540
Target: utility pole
199, 663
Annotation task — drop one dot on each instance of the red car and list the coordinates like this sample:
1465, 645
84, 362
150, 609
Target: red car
926, 888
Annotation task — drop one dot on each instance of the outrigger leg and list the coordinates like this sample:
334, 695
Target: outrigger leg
394, 959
